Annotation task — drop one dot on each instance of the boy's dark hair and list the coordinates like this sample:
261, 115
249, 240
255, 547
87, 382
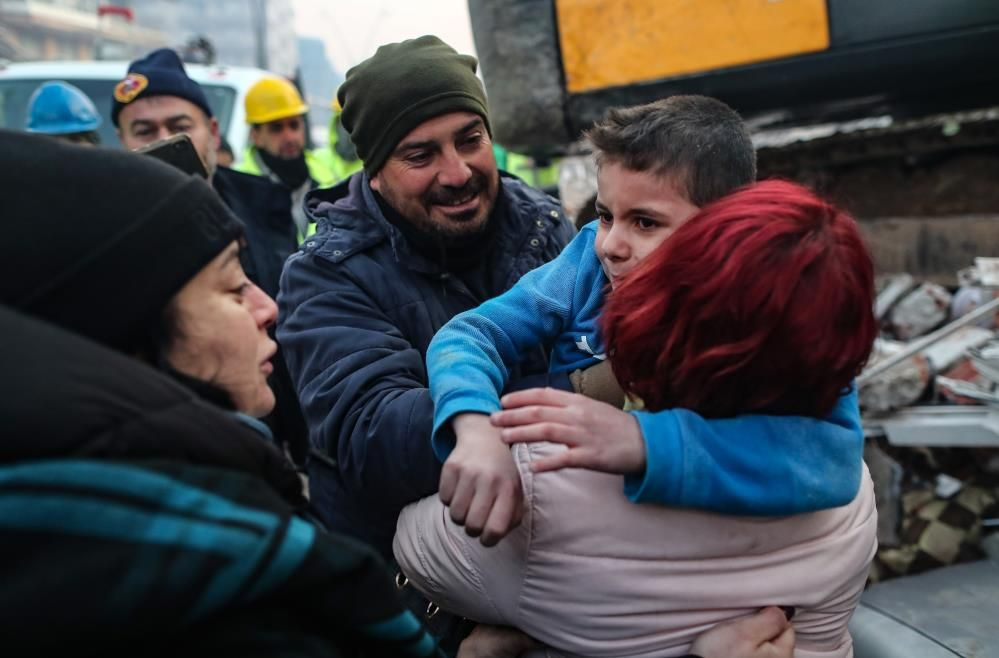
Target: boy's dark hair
698, 141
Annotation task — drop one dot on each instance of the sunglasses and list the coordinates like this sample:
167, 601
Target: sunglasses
277, 127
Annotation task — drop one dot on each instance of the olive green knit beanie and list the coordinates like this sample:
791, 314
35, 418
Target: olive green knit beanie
401, 86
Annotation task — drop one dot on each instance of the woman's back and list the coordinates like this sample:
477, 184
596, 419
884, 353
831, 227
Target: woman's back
592, 574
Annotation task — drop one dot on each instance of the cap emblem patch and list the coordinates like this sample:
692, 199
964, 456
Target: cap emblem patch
133, 84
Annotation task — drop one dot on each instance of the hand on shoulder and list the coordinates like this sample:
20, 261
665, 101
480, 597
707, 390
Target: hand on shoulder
599, 436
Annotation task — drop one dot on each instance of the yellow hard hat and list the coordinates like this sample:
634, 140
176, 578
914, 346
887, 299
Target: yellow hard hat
271, 99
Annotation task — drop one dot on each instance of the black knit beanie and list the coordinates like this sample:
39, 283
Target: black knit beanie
401, 86
98, 240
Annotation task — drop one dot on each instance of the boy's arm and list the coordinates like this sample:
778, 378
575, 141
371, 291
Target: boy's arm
469, 360
468, 364
752, 464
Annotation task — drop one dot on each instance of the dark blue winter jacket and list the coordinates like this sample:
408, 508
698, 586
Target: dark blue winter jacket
357, 308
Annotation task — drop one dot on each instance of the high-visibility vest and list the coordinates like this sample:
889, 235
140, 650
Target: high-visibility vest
339, 167
525, 168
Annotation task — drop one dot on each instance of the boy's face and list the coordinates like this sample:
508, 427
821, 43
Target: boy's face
637, 212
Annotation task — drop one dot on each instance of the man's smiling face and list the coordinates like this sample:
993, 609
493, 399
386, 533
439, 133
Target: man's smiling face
442, 176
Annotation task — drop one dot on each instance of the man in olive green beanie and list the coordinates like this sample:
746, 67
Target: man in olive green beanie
403, 85
428, 229
417, 115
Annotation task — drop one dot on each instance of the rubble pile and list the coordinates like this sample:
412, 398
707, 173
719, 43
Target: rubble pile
930, 403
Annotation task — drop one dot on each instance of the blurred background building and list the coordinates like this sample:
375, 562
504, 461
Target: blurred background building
256, 33
320, 80
72, 29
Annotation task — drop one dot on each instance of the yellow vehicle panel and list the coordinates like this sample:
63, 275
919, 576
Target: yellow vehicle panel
609, 44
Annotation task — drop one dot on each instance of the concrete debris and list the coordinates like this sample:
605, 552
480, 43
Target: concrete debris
963, 371
929, 398
946, 353
947, 486
922, 310
893, 288
906, 383
989, 309
900, 386
941, 425
969, 298
986, 360
985, 272
969, 390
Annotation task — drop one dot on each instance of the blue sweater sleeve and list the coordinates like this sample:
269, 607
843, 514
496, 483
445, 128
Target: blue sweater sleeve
751, 465
469, 359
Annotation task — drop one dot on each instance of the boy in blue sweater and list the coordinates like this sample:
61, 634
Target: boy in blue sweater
657, 165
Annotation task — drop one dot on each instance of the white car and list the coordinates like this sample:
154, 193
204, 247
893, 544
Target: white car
225, 87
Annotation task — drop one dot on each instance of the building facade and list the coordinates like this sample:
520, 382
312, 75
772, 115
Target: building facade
71, 30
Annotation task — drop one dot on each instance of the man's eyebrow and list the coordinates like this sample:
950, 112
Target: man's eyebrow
471, 125
412, 146
153, 122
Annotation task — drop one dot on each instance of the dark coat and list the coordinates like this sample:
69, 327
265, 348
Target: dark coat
271, 236
357, 309
135, 519
265, 209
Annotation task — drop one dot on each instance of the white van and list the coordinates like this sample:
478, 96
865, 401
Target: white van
225, 87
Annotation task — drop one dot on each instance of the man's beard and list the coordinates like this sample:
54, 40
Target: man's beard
457, 226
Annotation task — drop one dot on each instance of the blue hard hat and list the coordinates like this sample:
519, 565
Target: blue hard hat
59, 108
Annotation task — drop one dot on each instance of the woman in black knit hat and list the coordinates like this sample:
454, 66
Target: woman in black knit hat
140, 257
139, 515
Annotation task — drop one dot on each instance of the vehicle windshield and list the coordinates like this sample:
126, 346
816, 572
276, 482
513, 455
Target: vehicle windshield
14, 95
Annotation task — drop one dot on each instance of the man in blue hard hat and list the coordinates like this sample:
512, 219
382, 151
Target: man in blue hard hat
61, 110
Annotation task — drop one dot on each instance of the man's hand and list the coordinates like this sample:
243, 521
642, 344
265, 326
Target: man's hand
767, 634
495, 642
600, 437
480, 482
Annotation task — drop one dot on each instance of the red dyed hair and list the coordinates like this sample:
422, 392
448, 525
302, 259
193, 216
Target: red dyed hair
762, 302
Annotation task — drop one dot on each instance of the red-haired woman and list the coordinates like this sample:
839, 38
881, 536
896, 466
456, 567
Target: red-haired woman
761, 303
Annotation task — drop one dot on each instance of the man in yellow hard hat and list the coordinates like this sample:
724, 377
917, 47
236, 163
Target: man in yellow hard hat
276, 114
